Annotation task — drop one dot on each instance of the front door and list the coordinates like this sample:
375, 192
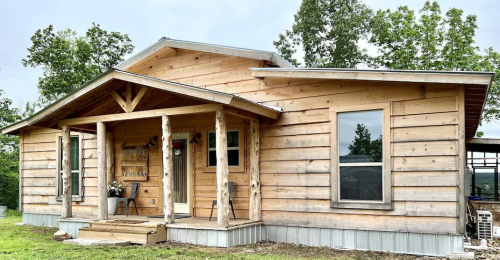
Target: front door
181, 154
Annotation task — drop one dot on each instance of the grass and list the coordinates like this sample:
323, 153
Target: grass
30, 242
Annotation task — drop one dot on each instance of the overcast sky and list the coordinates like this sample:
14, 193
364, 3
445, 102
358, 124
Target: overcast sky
242, 23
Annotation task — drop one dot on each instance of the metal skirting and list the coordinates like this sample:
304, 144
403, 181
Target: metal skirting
72, 226
41, 220
217, 237
395, 242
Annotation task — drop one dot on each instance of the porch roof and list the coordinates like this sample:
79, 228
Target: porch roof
173, 87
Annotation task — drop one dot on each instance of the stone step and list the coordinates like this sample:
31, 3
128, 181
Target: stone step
95, 242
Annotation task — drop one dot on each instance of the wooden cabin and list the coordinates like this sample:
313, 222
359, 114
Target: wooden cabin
345, 158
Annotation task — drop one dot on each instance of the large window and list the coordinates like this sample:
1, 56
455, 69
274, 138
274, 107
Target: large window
360, 157
75, 168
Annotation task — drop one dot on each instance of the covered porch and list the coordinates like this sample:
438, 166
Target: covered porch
121, 113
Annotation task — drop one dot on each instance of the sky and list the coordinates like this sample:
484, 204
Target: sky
243, 23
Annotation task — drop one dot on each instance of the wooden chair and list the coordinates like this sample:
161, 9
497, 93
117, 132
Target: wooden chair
133, 194
232, 189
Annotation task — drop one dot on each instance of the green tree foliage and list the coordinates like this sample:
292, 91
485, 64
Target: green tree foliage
329, 32
68, 61
427, 40
9, 155
364, 145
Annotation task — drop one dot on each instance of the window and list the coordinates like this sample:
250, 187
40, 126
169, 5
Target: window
360, 157
233, 149
76, 178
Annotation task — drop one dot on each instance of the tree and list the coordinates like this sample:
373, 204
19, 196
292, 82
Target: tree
9, 155
364, 145
405, 40
68, 61
329, 32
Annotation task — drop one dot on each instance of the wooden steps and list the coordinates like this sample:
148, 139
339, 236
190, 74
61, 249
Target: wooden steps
135, 233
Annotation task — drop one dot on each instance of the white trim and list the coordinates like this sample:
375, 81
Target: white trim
78, 197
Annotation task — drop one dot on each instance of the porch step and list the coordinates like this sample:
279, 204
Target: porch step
135, 233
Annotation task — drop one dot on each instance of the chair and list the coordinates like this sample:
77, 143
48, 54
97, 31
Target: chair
133, 194
232, 188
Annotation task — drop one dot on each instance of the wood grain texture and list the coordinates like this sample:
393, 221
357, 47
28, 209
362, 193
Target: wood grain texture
222, 171
168, 170
255, 211
67, 195
101, 172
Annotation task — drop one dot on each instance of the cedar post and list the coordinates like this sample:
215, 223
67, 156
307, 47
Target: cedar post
66, 176
110, 157
255, 198
102, 186
168, 170
222, 170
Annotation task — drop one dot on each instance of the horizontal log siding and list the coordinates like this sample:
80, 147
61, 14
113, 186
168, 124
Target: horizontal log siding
39, 159
295, 149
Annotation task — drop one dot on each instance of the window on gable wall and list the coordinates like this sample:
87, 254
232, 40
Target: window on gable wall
360, 157
75, 167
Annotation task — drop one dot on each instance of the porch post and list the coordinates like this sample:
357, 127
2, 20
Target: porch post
168, 170
255, 198
222, 170
102, 193
110, 157
66, 176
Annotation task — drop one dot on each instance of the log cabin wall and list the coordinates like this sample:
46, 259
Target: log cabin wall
295, 149
38, 164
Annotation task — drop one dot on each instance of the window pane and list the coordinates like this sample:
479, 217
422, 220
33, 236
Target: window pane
233, 139
233, 157
75, 183
360, 136
211, 140
75, 153
361, 183
212, 159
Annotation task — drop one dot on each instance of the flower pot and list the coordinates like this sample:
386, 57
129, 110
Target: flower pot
112, 207
3, 211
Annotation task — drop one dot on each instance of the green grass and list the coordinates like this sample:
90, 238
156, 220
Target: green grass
30, 242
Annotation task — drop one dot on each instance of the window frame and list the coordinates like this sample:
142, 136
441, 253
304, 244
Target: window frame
386, 202
241, 148
75, 198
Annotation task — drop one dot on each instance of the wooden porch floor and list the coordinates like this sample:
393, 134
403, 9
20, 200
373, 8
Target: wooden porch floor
191, 222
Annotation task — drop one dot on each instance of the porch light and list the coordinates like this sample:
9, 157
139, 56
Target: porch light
195, 138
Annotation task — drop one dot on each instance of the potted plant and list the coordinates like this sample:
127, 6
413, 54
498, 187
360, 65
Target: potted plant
115, 190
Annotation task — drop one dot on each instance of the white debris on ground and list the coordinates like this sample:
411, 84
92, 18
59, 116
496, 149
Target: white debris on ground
489, 252
95, 242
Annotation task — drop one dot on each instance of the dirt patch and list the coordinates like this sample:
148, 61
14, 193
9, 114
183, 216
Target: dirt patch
296, 251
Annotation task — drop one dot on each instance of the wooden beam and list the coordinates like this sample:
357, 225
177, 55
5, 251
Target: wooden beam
102, 193
67, 194
241, 113
128, 96
168, 170
255, 213
138, 98
110, 157
119, 100
21, 168
222, 170
462, 162
143, 114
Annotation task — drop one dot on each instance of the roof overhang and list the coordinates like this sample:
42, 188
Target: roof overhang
489, 145
204, 47
177, 88
451, 77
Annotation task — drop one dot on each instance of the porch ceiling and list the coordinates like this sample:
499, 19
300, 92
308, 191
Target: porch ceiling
99, 97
